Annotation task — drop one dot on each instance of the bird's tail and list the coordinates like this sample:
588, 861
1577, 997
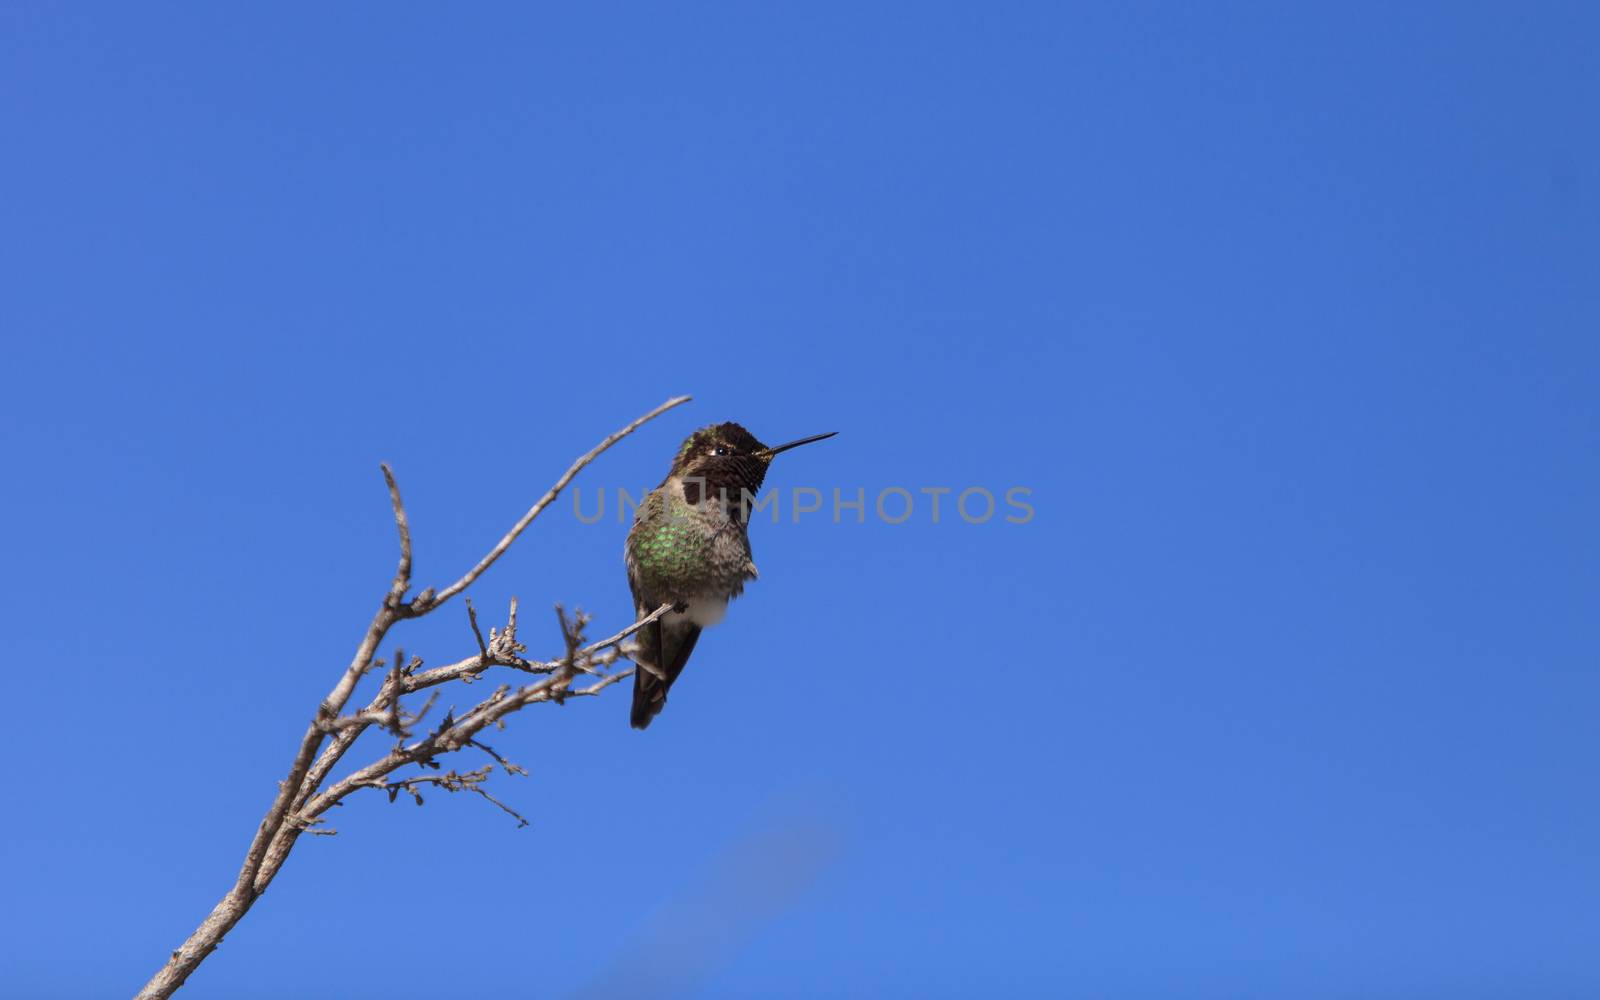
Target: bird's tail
649, 694
663, 652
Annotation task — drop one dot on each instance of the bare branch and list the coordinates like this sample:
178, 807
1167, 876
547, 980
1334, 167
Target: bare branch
545, 501
468, 781
300, 799
592, 653
461, 732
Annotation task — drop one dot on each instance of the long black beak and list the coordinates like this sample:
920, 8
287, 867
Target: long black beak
768, 453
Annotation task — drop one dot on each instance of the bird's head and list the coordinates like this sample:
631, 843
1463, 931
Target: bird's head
726, 456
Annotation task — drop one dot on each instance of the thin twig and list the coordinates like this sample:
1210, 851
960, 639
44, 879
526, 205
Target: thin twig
402, 573
630, 630
510, 768
477, 633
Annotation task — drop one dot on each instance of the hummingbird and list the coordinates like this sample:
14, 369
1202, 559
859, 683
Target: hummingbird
690, 546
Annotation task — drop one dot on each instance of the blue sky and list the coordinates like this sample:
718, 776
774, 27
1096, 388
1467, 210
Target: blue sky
1286, 315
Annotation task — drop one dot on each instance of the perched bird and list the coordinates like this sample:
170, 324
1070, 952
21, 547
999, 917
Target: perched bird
690, 546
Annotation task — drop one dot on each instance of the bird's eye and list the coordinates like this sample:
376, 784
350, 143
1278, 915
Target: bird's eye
719, 451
